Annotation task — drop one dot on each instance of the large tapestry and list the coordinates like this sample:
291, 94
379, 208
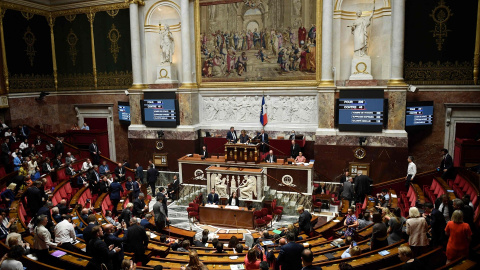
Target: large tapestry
258, 40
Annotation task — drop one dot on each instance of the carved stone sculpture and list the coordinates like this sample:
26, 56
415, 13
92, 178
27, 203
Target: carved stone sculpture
221, 186
360, 34
167, 44
248, 188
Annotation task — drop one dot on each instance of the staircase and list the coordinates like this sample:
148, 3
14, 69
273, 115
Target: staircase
189, 192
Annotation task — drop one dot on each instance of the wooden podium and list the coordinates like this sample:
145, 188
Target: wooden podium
238, 152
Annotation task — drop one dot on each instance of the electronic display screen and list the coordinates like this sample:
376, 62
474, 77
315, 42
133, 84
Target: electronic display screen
419, 114
124, 112
160, 109
361, 110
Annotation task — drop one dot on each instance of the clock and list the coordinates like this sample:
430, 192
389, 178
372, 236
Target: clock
159, 145
359, 152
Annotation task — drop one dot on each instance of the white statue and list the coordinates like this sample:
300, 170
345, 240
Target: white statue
220, 186
233, 185
248, 187
167, 44
360, 34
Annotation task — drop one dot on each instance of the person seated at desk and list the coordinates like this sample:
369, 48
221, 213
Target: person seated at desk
294, 150
204, 152
233, 200
244, 137
232, 135
212, 197
270, 158
300, 158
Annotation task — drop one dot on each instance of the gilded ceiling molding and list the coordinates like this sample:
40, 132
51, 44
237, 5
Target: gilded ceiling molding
138, 2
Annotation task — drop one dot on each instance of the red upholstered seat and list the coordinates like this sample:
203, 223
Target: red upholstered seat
268, 218
316, 204
193, 211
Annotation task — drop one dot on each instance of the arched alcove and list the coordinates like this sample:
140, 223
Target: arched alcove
162, 12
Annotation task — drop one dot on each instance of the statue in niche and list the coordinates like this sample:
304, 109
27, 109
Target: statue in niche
360, 34
167, 44
220, 186
233, 185
248, 188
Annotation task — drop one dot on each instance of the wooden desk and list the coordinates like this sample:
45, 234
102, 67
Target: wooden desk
226, 217
242, 152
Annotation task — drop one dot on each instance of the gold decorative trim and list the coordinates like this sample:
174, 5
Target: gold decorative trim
72, 40
439, 72
70, 17
165, 75
338, 4
112, 13
115, 80
138, 2
31, 82
363, 71
138, 86
359, 152
114, 36
4, 53
27, 15
156, 5
396, 82
188, 86
440, 15
30, 39
326, 83
59, 13
76, 81
51, 23
91, 18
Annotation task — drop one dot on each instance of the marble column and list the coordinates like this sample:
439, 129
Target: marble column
186, 42
327, 43
135, 110
326, 109
396, 109
188, 103
135, 44
397, 43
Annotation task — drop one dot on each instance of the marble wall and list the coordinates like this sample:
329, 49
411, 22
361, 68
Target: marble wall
58, 111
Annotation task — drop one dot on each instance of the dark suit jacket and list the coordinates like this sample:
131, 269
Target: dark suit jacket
93, 148
58, 148
62, 208
152, 175
115, 189
5, 149
230, 201
267, 158
204, 153
70, 171
87, 232
125, 216
118, 172
34, 197
139, 173
230, 136
362, 184
212, 198
45, 168
304, 222
137, 239
138, 206
294, 150
57, 163
289, 257
447, 163
438, 202
136, 189
100, 253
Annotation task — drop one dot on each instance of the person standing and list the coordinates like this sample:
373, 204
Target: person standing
294, 150
446, 166
94, 152
290, 254
59, 147
152, 175
232, 135
138, 171
347, 192
42, 240
137, 241
437, 223
362, 186
411, 171
263, 137
204, 152
160, 215
99, 251
304, 223
459, 236
417, 228
351, 223
115, 189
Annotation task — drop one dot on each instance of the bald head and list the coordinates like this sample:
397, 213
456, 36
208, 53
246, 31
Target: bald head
282, 241
108, 228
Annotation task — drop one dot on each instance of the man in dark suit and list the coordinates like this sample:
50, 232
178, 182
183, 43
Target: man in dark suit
139, 206
294, 150
6, 152
94, 152
94, 179
115, 189
70, 171
263, 137
34, 197
46, 168
160, 215
204, 152
138, 171
232, 135
307, 259
120, 172
24, 132
111, 238
444, 206
99, 251
57, 162
362, 186
437, 222
135, 189
87, 231
292, 135
137, 241
289, 256
446, 166
62, 207
59, 148
152, 175
212, 197
174, 188
304, 219
271, 158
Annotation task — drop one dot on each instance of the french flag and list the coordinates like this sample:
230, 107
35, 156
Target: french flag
263, 113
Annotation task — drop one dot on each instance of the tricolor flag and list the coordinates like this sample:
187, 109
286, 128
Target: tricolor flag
263, 113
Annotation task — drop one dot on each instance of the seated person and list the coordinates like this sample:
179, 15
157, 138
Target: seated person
271, 158
204, 152
212, 197
300, 158
103, 169
233, 200
405, 254
219, 248
350, 243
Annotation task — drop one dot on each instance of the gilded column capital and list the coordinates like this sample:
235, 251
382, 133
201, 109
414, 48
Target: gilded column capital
138, 2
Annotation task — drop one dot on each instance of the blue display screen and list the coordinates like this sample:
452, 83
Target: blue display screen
419, 116
360, 111
162, 110
124, 113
